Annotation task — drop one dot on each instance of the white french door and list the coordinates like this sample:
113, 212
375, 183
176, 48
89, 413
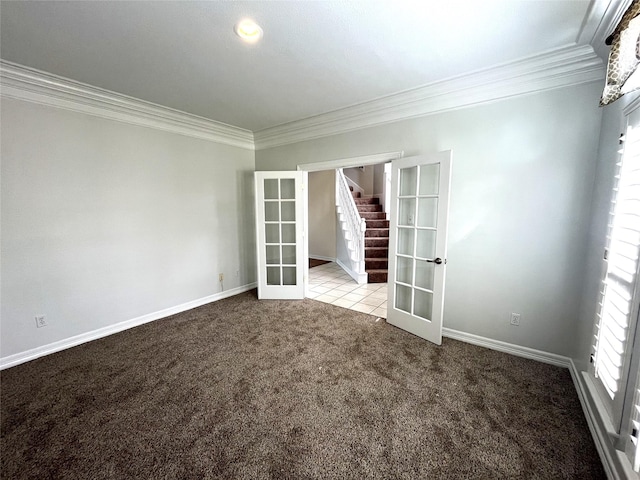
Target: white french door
418, 243
282, 262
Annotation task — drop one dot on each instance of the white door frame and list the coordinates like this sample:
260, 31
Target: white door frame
332, 165
351, 162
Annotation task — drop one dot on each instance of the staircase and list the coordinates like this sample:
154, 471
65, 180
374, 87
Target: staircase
376, 238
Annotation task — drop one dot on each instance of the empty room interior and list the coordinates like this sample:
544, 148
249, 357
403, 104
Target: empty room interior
320, 239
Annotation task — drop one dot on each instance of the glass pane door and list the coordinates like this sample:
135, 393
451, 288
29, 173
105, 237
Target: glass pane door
416, 230
420, 196
279, 212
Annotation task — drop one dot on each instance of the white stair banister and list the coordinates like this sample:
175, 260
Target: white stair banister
354, 225
353, 186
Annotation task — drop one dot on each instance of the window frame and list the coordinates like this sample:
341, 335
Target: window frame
624, 408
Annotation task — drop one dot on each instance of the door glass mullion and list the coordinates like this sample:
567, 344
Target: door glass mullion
280, 222
415, 239
273, 217
426, 193
282, 218
280, 245
413, 262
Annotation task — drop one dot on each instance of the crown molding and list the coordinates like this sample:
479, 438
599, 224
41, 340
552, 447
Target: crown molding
560, 67
23, 83
601, 20
632, 102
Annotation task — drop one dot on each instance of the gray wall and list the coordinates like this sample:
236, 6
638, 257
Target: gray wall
322, 214
523, 172
103, 222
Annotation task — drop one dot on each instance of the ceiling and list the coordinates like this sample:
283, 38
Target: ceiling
315, 57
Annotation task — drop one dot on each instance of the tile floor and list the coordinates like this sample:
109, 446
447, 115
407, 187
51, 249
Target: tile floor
330, 284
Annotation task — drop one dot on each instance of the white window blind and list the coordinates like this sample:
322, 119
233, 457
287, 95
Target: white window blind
612, 345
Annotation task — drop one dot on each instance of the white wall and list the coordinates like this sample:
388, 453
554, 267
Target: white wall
103, 222
523, 173
353, 174
378, 180
363, 176
322, 214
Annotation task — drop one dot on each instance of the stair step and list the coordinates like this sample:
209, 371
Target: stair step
376, 242
376, 232
376, 252
367, 201
377, 276
377, 223
369, 208
373, 215
376, 263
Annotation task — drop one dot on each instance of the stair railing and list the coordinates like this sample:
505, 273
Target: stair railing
353, 186
355, 224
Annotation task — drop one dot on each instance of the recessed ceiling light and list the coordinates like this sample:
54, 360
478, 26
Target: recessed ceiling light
248, 30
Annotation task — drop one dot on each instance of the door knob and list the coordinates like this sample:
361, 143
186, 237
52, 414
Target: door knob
437, 261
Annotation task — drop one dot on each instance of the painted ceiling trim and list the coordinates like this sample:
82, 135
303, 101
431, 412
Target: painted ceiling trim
601, 20
23, 83
561, 67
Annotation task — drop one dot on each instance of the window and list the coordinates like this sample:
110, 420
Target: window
617, 317
632, 449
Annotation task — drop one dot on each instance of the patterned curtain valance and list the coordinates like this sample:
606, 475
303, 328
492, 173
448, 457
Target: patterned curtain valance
624, 56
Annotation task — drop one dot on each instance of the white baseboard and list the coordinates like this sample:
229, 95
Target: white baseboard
22, 357
358, 277
526, 352
599, 434
322, 257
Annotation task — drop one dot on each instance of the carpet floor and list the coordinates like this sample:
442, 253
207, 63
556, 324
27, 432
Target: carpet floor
243, 388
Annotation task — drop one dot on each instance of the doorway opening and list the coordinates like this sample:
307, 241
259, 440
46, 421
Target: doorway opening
417, 242
330, 284
337, 281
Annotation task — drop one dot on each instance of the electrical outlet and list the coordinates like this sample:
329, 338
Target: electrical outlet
41, 321
220, 277
515, 319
